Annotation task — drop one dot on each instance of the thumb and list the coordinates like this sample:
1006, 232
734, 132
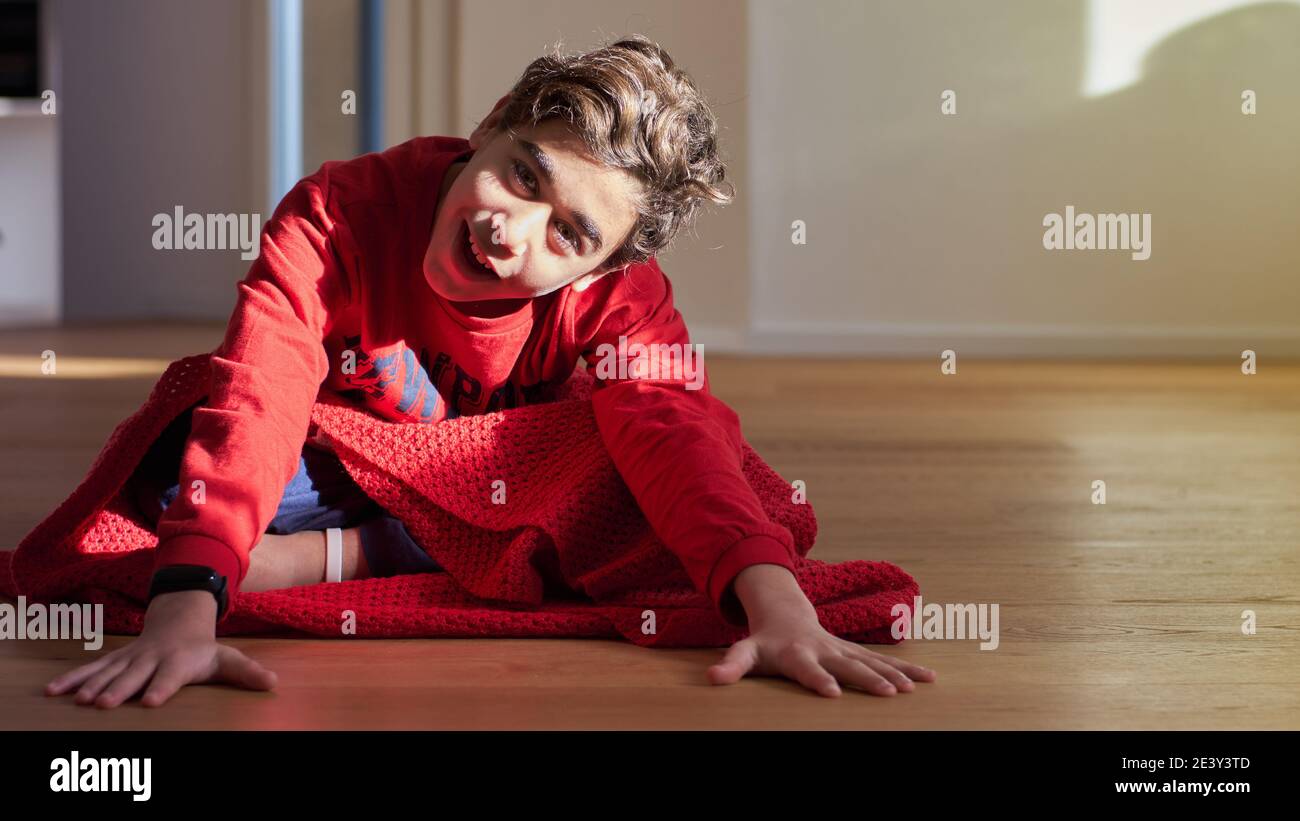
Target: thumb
236, 668
739, 660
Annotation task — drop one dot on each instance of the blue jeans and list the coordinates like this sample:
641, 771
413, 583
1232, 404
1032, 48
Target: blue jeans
320, 495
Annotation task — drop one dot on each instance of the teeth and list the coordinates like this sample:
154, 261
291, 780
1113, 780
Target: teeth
478, 255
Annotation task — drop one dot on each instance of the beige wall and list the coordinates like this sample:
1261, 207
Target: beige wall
331, 64
161, 103
421, 63
925, 231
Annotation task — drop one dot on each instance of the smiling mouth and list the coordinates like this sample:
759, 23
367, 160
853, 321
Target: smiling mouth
470, 255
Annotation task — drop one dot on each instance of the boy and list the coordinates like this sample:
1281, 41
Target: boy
443, 277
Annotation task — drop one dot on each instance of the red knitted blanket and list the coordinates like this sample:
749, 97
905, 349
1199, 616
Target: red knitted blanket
570, 556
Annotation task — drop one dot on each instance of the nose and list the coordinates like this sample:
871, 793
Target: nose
515, 231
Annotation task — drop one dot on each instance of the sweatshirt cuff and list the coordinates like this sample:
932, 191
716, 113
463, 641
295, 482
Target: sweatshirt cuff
744, 553
204, 550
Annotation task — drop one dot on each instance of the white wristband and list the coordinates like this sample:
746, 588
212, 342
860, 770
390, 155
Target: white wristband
333, 555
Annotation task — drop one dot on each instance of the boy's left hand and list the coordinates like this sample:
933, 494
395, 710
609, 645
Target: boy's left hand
816, 659
786, 639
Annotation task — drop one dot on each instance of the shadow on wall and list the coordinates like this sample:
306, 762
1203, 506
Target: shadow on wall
1223, 187
955, 209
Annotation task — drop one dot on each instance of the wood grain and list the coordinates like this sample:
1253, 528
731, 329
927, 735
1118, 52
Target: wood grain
1121, 616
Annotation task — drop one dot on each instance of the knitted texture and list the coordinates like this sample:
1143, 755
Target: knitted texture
568, 555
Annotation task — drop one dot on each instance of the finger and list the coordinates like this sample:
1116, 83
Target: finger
892, 674
74, 678
91, 689
739, 660
169, 678
803, 667
913, 671
858, 674
128, 683
236, 668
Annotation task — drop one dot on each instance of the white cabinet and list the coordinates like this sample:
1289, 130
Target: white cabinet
29, 214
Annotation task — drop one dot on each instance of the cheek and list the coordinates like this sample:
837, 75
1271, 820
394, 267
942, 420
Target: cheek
484, 187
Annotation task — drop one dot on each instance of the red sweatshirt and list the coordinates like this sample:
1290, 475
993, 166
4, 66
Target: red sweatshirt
337, 301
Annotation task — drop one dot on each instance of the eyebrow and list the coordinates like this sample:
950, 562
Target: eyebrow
547, 167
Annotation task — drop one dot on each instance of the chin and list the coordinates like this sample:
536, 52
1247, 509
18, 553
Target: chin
449, 286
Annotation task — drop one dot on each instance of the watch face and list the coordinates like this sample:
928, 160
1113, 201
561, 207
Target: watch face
189, 574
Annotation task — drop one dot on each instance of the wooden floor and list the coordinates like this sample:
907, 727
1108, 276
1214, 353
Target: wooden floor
1123, 616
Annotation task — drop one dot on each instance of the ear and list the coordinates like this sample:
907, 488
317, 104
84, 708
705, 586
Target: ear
485, 128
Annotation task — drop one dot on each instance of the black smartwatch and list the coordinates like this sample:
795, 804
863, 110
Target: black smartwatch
176, 577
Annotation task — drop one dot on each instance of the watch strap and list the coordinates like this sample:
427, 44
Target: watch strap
178, 577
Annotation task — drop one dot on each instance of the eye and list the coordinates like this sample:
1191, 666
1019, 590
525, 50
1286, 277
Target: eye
572, 243
525, 178
520, 170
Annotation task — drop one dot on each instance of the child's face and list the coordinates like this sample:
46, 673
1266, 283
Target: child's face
503, 194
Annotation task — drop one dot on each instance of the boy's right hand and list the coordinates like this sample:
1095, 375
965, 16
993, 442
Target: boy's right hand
177, 646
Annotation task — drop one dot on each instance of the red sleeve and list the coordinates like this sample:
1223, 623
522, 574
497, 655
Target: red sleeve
246, 437
678, 450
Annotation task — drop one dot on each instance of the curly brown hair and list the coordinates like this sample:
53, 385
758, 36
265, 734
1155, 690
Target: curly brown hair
635, 110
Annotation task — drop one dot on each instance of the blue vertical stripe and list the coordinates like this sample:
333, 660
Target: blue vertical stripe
371, 105
285, 114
